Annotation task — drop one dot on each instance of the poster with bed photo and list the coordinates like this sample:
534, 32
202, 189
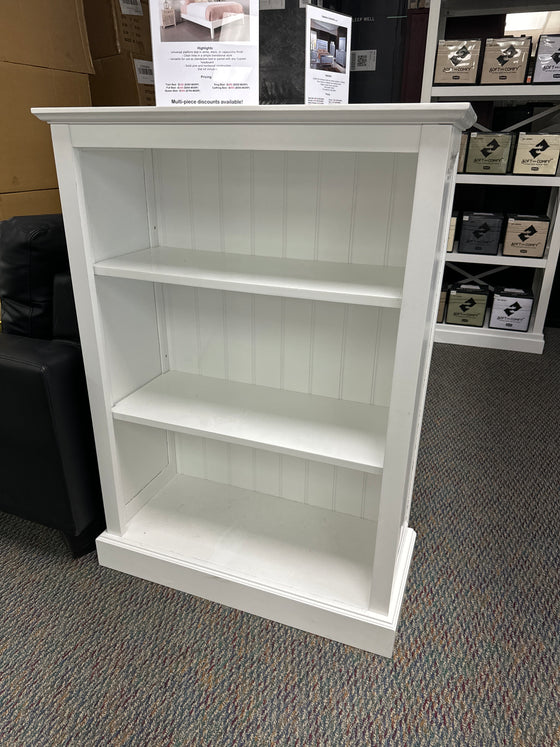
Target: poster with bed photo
205, 53
327, 68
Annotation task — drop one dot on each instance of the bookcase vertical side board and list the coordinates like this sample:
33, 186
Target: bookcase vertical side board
434, 188
256, 291
70, 179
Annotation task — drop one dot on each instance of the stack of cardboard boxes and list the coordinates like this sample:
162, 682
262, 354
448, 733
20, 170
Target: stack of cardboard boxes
121, 47
44, 61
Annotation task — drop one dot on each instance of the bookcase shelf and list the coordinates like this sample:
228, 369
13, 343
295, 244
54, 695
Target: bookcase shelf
330, 430
256, 294
525, 92
496, 259
293, 278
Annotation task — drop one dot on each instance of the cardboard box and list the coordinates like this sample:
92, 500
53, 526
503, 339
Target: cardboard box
489, 153
457, 62
116, 26
547, 59
462, 152
537, 153
466, 305
26, 155
526, 235
123, 80
48, 34
39, 202
511, 309
441, 307
452, 232
506, 60
480, 233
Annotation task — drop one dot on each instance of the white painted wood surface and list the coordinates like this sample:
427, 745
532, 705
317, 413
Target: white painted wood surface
256, 321
525, 92
327, 281
519, 180
348, 434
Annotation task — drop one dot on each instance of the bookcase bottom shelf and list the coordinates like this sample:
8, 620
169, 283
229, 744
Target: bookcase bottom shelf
484, 337
299, 565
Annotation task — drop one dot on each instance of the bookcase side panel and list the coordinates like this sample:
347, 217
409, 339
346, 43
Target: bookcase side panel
130, 334
114, 187
143, 454
433, 192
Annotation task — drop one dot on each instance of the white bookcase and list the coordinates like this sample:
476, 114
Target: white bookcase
544, 269
256, 291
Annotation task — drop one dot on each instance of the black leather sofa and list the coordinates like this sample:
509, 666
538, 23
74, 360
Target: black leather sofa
48, 464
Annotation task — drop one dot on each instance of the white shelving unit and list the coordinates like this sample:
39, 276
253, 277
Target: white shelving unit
256, 291
533, 340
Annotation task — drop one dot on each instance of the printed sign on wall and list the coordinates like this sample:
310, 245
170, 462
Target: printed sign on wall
205, 53
327, 56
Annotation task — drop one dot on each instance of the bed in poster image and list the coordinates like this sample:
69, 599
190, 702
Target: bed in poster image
199, 20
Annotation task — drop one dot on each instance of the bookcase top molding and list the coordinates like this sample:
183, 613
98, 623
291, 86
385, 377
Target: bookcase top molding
458, 114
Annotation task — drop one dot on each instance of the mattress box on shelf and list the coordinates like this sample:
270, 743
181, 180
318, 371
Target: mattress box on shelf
480, 232
547, 59
457, 62
537, 154
506, 60
441, 307
489, 153
526, 235
466, 304
511, 309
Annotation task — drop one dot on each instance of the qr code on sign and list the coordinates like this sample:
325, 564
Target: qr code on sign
363, 59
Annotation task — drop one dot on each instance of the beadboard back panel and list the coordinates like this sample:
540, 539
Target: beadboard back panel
315, 347
334, 488
337, 207
144, 453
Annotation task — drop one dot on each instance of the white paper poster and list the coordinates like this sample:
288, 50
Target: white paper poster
327, 56
205, 53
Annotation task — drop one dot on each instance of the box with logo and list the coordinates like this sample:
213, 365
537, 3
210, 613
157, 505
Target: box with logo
452, 231
441, 307
547, 59
537, 153
489, 153
457, 62
505, 60
525, 235
480, 233
511, 309
466, 304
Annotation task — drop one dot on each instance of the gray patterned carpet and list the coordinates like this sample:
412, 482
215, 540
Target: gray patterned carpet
91, 657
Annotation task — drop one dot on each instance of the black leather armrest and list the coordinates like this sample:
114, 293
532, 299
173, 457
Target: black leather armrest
47, 455
65, 323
